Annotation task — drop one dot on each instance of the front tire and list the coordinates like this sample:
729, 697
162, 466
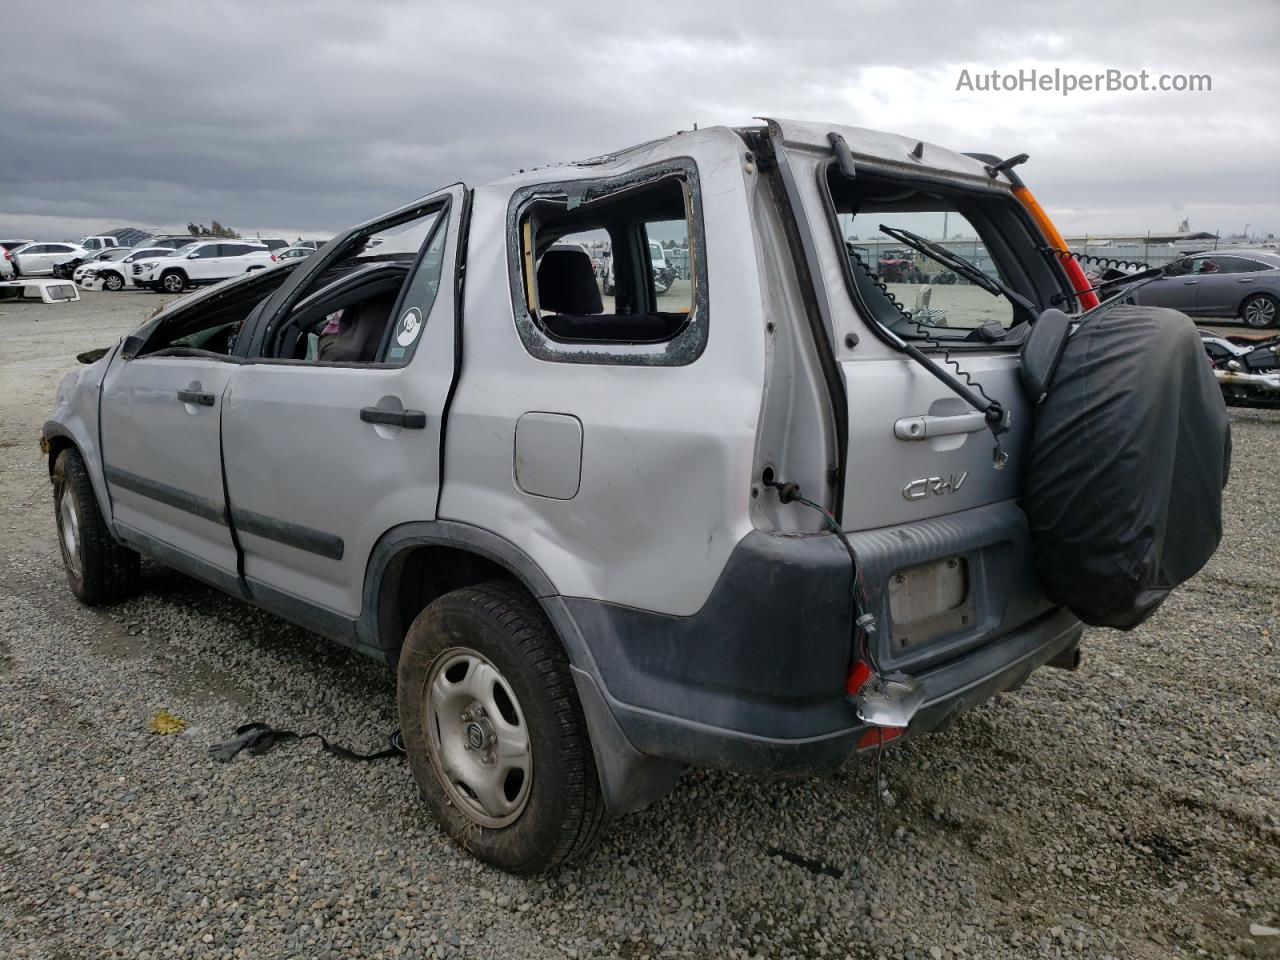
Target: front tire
494, 731
173, 281
113, 282
99, 570
1259, 311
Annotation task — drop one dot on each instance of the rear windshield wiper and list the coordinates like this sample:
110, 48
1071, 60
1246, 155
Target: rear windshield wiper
958, 264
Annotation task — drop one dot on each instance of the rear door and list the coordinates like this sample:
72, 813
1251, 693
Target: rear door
1223, 287
324, 456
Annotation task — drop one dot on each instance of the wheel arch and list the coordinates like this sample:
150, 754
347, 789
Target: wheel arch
1250, 294
466, 555
414, 563
55, 438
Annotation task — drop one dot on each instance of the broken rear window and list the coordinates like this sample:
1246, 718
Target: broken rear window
892, 278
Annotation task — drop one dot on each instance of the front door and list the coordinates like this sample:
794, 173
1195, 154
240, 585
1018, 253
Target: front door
331, 431
203, 263
160, 448
1179, 291
37, 260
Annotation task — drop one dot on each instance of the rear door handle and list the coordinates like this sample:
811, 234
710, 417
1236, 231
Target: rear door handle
409, 419
1246, 280
1189, 283
921, 428
196, 397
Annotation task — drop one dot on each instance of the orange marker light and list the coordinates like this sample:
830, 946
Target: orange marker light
1079, 282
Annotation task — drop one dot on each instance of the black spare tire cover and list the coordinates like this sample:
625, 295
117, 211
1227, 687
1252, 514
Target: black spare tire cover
1130, 450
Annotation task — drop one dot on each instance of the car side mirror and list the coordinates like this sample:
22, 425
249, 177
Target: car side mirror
129, 349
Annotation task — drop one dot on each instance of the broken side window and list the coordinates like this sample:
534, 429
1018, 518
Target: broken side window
610, 271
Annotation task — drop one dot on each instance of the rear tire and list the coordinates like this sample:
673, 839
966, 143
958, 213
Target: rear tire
99, 570
1260, 311
494, 731
173, 281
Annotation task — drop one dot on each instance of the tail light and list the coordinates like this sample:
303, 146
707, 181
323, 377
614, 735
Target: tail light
274, 258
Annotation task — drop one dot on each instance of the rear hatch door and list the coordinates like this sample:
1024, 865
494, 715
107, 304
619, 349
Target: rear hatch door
945, 555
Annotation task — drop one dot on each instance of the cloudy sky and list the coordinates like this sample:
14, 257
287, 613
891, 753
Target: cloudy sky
304, 117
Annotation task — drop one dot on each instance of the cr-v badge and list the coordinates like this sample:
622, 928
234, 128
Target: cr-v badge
936, 486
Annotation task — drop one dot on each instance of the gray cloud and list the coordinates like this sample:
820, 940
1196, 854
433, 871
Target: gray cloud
306, 117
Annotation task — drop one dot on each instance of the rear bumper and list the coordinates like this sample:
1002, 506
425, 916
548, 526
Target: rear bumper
959, 685
755, 680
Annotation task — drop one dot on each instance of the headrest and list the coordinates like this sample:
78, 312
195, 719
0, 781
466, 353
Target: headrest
1041, 351
567, 283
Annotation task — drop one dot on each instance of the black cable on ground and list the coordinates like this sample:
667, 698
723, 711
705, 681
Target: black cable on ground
260, 738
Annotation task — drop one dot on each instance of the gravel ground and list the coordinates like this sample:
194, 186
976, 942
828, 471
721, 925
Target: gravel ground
1129, 809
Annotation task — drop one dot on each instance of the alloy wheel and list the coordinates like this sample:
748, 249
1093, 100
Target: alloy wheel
1260, 312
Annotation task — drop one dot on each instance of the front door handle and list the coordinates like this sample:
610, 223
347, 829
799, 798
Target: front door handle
1189, 283
197, 397
921, 428
409, 419
1246, 280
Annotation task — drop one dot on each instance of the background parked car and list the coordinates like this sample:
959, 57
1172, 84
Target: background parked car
8, 270
170, 241
205, 262
99, 243
68, 269
1225, 283
39, 259
271, 243
294, 253
113, 270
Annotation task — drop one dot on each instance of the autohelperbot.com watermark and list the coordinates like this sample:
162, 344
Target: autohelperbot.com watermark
1067, 82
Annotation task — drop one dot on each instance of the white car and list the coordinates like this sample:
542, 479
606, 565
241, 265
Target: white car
112, 269
207, 261
39, 259
293, 253
99, 243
